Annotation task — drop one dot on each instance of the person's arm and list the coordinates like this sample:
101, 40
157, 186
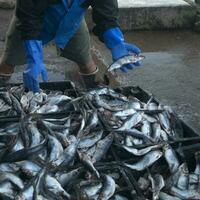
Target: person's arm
30, 14
105, 17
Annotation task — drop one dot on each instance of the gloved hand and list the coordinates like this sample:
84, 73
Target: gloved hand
35, 65
114, 40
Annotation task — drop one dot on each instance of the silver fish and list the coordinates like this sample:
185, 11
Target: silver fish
91, 188
47, 109
91, 139
108, 188
33, 106
27, 194
93, 120
131, 122
54, 188
136, 104
183, 180
193, 181
35, 134
67, 179
105, 91
24, 102
87, 162
152, 106
18, 146
128, 141
141, 152
62, 139
197, 158
16, 91
102, 148
137, 141
90, 152
12, 178
146, 161
16, 104
4, 107
6, 97
7, 191
29, 168
119, 197
150, 118
164, 121
146, 128
185, 194
82, 125
55, 100
125, 60
158, 184
9, 167
165, 196
171, 158
54, 126
163, 136
156, 133
68, 155
40, 97
124, 113
173, 179
102, 103
60, 121
143, 183
56, 149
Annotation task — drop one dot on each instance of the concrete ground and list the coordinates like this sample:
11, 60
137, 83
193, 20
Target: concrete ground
171, 71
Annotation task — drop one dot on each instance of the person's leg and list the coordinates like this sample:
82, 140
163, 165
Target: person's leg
13, 53
79, 50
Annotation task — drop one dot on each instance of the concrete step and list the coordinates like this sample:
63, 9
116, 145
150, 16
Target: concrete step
155, 14
134, 14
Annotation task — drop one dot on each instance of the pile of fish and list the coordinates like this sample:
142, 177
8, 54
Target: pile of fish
14, 102
181, 184
144, 131
58, 155
139, 122
36, 156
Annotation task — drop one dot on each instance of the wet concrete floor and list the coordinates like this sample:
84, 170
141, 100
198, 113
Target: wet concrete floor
171, 70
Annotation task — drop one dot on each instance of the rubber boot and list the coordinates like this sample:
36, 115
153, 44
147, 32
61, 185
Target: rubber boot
5, 77
93, 80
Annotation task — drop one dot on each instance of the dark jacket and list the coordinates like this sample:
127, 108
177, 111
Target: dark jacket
31, 14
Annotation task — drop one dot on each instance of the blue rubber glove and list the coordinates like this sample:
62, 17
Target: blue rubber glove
35, 65
114, 40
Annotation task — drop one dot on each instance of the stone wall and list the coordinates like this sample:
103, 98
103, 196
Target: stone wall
7, 4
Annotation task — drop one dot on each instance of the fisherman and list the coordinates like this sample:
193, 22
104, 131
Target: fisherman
37, 22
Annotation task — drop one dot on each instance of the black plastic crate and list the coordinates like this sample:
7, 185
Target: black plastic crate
190, 139
63, 86
67, 87
144, 96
